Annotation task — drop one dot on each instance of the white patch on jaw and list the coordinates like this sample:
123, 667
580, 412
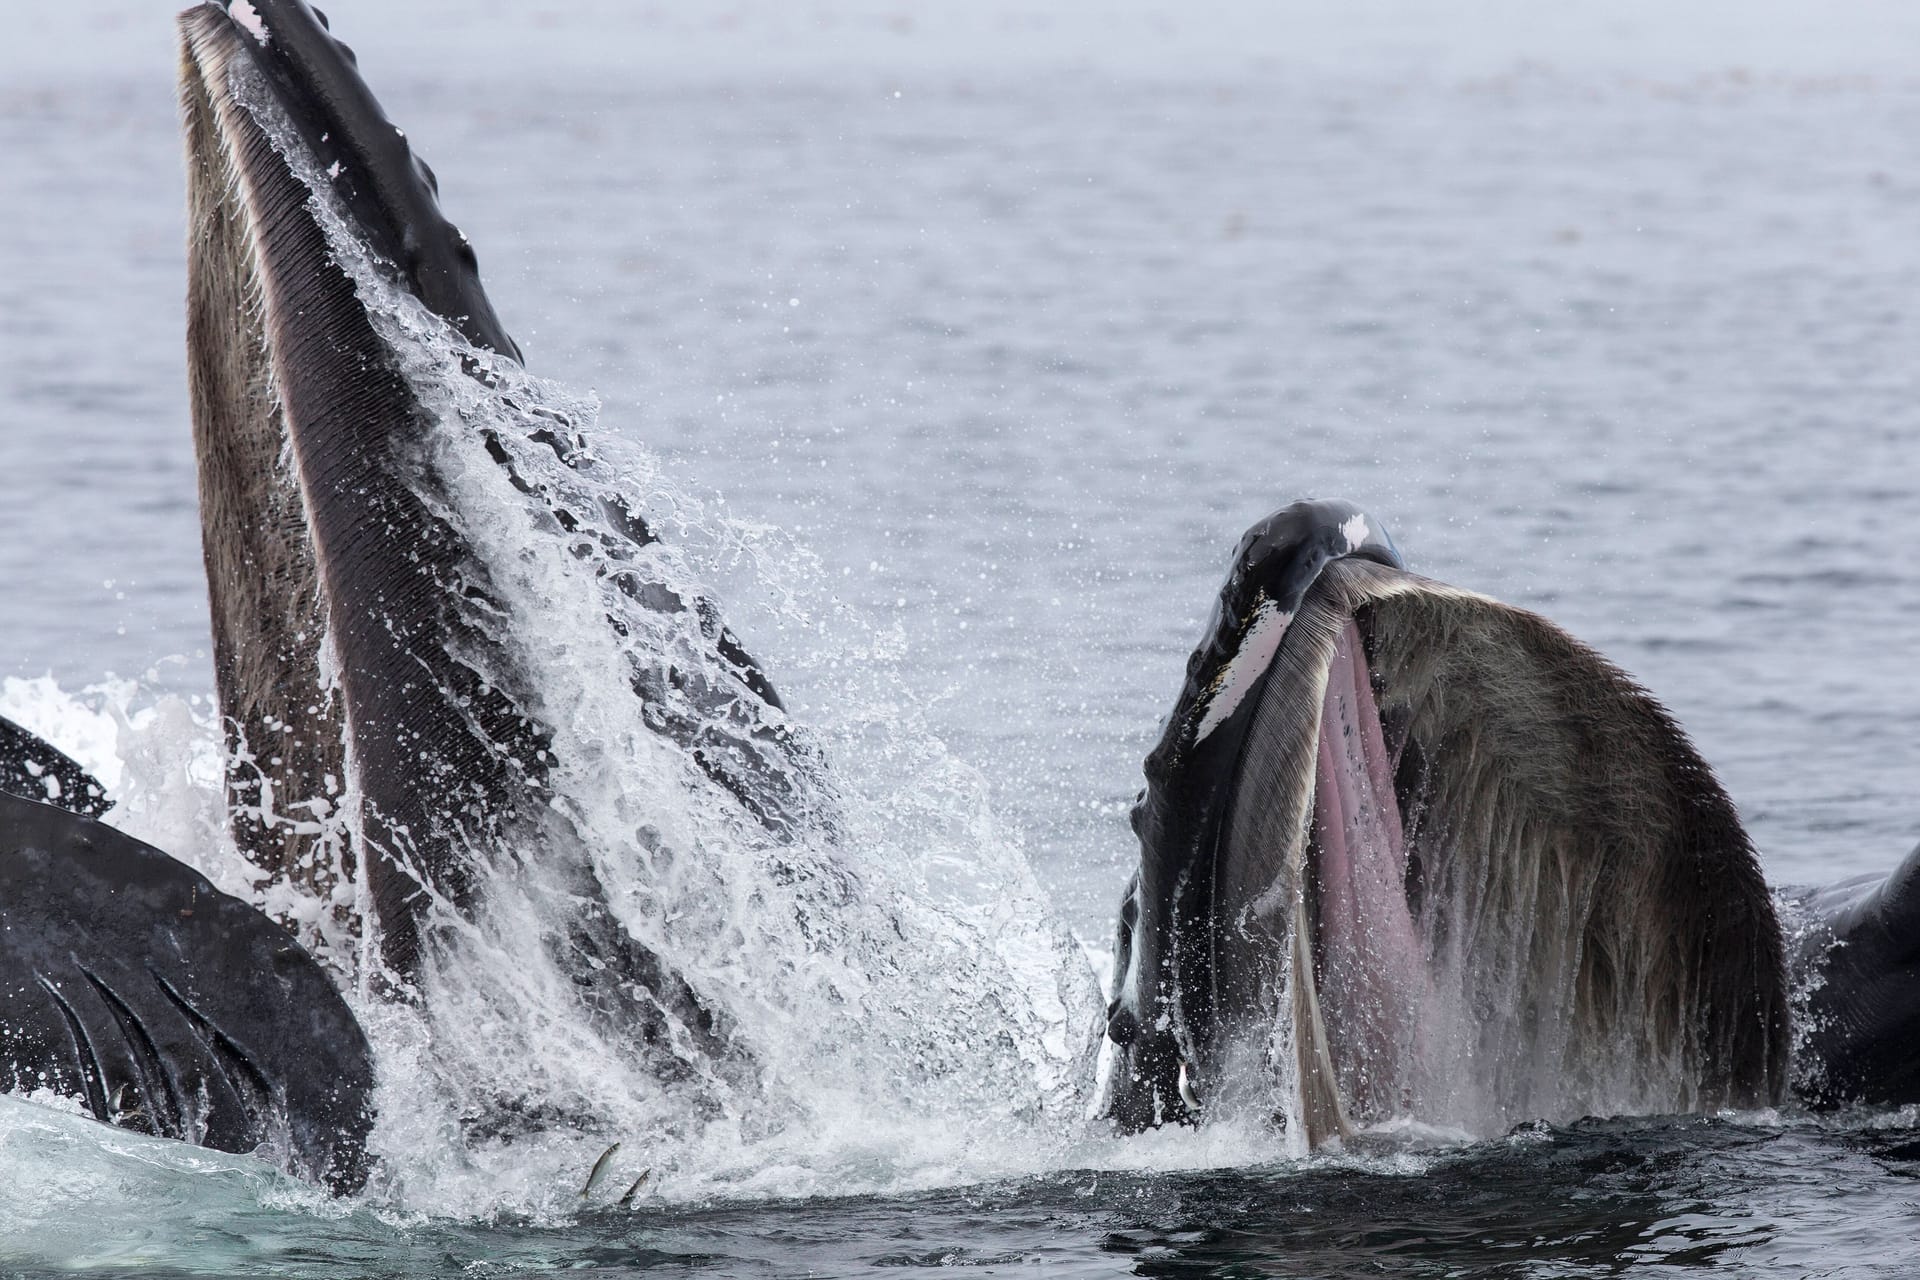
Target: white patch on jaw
1356, 532
243, 13
1243, 671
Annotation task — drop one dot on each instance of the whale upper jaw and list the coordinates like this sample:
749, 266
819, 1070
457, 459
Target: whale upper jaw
391, 193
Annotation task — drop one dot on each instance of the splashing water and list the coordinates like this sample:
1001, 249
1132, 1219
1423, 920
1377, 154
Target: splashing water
887, 963
891, 982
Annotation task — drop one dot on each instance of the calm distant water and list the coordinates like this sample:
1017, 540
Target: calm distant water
1017, 356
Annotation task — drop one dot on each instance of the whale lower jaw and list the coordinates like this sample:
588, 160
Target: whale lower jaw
373, 726
1313, 845
268, 611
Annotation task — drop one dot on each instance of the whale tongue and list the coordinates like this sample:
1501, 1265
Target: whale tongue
1369, 970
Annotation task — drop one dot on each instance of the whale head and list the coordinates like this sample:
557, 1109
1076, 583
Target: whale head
386, 497
372, 735
255, 57
1407, 851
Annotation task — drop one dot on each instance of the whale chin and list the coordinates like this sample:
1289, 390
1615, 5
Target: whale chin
1408, 851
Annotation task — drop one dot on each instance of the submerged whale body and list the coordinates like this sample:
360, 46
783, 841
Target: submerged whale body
131, 984
1859, 962
1405, 850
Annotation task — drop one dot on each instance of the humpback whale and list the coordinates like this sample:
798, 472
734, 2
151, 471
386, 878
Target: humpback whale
1401, 847
384, 746
1407, 850
352, 615
131, 984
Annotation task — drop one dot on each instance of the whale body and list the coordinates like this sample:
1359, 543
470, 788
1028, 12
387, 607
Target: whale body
1406, 850
132, 985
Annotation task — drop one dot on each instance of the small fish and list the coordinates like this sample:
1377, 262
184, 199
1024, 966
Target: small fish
125, 1108
1187, 1095
599, 1168
626, 1201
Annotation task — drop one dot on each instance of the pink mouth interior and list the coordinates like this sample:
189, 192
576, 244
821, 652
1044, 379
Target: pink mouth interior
1371, 972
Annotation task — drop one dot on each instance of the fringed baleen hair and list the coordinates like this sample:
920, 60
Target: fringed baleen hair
1599, 933
286, 753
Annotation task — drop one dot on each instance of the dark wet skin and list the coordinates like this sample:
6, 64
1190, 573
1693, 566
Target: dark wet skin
1859, 962
129, 982
392, 193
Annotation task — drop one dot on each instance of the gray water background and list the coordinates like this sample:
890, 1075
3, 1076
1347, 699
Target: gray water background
1016, 318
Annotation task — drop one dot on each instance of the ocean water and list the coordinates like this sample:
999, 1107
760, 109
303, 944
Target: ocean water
985, 336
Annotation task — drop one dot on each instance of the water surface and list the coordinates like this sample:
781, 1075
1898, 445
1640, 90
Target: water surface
1011, 350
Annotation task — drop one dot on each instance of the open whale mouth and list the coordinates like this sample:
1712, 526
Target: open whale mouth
419, 574
1367, 946
1313, 846
1272, 790
388, 732
1407, 851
